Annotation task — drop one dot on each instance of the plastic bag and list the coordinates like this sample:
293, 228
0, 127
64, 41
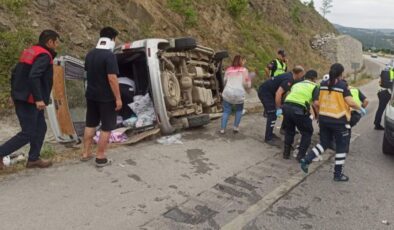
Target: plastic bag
234, 95
143, 108
170, 140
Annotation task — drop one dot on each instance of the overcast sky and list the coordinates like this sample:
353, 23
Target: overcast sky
361, 13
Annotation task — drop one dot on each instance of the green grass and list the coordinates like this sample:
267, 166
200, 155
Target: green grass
186, 9
13, 5
237, 7
47, 151
11, 45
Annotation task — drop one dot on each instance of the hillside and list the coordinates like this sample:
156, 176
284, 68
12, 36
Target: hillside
254, 28
378, 38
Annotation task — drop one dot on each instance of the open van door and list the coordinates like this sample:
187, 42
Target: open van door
67, 108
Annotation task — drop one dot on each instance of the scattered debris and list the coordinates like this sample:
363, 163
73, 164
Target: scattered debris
169, 140
385, 222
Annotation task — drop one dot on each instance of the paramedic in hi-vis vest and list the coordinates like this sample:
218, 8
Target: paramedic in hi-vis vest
384, 95
335, 101
296, 109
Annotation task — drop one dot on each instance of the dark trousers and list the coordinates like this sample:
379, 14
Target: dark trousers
384, 98
295, 116
32, 122
268, 101
328, 132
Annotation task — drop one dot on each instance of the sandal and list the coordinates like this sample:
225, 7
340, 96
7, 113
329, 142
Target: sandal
103, 162
87, 158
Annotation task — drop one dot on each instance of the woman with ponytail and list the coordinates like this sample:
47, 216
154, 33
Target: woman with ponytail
335, 101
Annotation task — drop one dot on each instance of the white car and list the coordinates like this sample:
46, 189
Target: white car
183, 79
388, 139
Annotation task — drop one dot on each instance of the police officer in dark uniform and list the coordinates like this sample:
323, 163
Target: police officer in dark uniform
278, 66
296, 109
271, 93
384, 95
335, 101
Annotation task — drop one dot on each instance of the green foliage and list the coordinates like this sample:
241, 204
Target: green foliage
47, 151
326, 6
310, 4
186, 9
237, 7
11, 45
295, 15
13, 5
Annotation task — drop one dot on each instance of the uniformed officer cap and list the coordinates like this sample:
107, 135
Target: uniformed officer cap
311, 74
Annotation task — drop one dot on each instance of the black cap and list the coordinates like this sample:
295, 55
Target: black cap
282, 52
311, 74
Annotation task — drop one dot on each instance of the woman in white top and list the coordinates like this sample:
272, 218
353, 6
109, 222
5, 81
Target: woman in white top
236, 82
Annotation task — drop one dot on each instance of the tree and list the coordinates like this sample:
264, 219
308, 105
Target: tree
310, 4
326, 6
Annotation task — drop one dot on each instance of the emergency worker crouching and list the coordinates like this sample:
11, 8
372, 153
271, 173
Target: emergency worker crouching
296, 109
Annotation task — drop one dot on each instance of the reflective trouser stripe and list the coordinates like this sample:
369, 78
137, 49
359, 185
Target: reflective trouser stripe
318, 150
340, 158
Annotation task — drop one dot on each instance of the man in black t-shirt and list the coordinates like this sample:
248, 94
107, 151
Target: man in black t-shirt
102, 95
271, 93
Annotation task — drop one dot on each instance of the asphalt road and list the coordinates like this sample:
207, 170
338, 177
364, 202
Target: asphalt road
209, 181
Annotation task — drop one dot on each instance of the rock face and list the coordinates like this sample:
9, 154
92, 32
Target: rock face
343, 49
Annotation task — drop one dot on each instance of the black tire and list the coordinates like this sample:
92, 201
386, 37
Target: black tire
184, 44
198, 120
221, 55
387, 148
220, 76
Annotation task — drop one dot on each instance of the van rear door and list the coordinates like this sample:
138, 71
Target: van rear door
66, 112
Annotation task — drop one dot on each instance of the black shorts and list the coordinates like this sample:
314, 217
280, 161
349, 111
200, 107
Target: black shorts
103, 112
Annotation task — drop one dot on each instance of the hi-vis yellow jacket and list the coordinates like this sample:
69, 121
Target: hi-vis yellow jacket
332, 103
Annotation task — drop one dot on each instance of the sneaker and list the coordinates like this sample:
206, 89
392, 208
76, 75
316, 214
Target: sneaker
304, 165
379, 127
341, 178
235, 130
103, 162
38, 164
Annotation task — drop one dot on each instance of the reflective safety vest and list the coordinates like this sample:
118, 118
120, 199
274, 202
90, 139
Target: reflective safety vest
392, 74
280, 68
301, 93
333, 104
356, 95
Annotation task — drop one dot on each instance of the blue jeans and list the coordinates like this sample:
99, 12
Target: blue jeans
32, 122
227, 107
